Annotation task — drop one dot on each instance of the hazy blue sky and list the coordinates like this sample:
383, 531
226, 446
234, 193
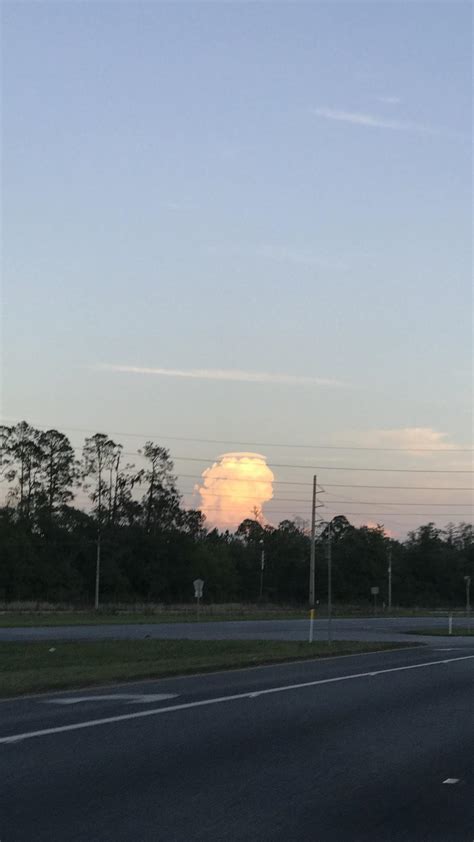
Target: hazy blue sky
271, 188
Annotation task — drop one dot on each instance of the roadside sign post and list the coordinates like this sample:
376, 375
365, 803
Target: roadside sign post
374, 591
198, 588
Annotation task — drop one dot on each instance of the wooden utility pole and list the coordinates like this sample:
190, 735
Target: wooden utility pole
312, 560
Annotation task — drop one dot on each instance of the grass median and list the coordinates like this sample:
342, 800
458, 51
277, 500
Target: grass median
91, 618
32, 667
28, 619
437, 632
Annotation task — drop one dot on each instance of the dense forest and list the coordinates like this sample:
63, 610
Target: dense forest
152, 548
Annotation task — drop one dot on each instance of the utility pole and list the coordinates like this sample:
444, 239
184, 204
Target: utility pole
467, 579
329, 553
97, 572
312, 558
262, 568
390, 579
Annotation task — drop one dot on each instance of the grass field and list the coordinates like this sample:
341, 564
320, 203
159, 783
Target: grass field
16, 619
91, 618
458, 631
30, 667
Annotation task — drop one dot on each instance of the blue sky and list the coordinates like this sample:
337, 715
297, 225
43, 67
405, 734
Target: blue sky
279, 189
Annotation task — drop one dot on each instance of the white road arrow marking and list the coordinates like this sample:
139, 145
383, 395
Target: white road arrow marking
125, 717
131, 698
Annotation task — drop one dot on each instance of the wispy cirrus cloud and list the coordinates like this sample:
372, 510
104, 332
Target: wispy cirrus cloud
360, 118
299, 256
223, 374
390, 100
415, 439
280, 254
179, 207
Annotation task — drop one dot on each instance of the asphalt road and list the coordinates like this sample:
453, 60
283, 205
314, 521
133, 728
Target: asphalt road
371, 629
357, 748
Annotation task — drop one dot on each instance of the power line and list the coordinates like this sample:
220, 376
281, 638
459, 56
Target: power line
334, 485
470, 489
204, 459
271, 444
353, 501
345, 501
350, 514
337, 468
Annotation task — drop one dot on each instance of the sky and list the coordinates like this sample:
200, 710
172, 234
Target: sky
237, 226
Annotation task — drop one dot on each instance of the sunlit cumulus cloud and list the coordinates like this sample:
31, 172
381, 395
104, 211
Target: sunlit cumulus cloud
233, 487
229, 374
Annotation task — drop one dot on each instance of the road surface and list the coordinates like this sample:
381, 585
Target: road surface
370, 629
372, 747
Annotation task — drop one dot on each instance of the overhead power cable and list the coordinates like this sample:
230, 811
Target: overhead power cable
333, 513
268, 443
340, 468
207, 459
342, 502
334, 485
349, 501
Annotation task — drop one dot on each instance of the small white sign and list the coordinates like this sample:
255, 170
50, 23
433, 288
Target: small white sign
374, 591
198, 586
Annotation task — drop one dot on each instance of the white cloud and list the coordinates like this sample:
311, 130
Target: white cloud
358, 118
233, 486
416, 440
224, 374
283, 254
303, 257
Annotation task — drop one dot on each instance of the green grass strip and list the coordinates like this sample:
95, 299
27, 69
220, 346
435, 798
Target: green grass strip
438, 632
49, 665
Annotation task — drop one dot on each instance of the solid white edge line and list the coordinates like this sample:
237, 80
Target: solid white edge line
92, 723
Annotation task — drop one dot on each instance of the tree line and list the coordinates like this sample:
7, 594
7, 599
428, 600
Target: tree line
152, 547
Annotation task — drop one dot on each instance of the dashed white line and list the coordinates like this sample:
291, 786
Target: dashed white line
451, 781
92, 723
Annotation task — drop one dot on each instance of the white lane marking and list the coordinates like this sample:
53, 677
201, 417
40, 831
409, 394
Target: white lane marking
451, 781
142, 698
92, 723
